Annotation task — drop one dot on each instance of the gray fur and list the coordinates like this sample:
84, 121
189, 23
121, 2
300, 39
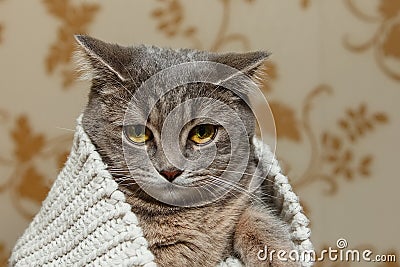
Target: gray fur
238, 224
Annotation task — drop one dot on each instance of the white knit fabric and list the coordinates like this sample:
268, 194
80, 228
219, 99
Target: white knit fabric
85, 220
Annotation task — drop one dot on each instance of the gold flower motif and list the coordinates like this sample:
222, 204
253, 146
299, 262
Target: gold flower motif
385, 42
75, 19
286, 122
4, 255
25, 181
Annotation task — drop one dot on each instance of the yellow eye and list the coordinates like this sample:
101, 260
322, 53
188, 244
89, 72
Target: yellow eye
138, 133
202, 134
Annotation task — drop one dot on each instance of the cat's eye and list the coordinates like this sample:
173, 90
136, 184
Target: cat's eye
138, 134
203, 134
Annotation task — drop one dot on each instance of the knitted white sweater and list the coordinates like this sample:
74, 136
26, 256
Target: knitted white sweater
85, 221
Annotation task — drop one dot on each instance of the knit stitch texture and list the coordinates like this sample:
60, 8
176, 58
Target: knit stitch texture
85, 221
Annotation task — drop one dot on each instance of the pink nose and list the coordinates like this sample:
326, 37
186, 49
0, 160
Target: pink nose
170, 174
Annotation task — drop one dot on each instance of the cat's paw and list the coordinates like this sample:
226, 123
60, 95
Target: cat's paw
260, 237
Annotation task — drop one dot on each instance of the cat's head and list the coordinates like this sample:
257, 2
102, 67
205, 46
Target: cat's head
166, 120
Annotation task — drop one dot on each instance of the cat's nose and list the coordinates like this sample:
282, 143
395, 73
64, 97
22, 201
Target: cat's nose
171, 174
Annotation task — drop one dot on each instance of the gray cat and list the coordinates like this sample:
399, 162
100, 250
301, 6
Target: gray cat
238, 223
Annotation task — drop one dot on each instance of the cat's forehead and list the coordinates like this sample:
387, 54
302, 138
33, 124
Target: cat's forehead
148, 60
183, 103
165, 56
156, 58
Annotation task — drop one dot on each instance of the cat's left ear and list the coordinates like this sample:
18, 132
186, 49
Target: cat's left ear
100, 60
251, 63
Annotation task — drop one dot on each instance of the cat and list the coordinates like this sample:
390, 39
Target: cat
237, 224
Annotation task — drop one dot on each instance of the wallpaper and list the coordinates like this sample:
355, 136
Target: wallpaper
333, 86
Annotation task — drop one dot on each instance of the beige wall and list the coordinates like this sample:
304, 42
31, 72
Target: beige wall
334, 89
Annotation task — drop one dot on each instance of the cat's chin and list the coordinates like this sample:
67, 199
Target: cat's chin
141, 202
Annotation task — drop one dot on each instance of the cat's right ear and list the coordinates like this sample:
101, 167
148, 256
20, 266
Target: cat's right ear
100, 60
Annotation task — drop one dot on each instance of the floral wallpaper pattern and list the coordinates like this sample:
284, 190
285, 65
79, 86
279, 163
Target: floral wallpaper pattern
330, 127
384, 41
74, 19
25, 181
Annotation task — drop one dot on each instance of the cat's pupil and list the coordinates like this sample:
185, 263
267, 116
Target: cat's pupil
139, 130
202, 132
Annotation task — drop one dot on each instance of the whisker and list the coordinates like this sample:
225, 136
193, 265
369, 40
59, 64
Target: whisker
238, 186
213, 183
245, 173
66, 129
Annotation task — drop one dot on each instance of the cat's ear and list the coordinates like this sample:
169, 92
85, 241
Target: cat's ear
251, 63
100, 60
